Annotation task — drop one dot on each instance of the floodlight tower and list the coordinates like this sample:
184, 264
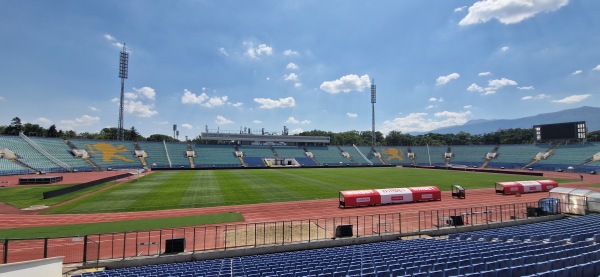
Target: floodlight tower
373, 98
123, 64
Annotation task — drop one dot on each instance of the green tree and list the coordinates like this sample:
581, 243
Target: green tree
52, 132
14, 128
160, 137
33, 130
593, 136
108, 134
132, 134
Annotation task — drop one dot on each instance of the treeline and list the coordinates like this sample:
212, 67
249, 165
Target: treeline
361, 138
35, 130
397, 138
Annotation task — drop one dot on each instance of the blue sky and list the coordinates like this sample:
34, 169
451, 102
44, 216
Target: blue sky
302, 64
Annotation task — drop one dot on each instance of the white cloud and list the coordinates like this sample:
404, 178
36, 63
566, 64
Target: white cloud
504, 48
346, 84
260, 50
526, 88
597, 68
420, 122
351, 115
535, 97
93, 109
460, 9
433, 99
296, 131
189, 97
487, 73
430, 107
222, 120
139, 108
109, 37
71, 124
468, 106
114, 41
161, 122
187, 126
291, 77
498, 83
290, 53
576, 72
268, 78
493, 86
256, 121
237, 105
573, 99
292, 120
442, 80
508, 11
130, 95
268, 103
215, 102
223, 51
474, 87
42, 121
292, 66
203, 99
147, 92
144, 92
119, 45
297, 85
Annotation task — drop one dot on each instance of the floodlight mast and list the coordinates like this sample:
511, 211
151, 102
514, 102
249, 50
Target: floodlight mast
373, 100
123, 69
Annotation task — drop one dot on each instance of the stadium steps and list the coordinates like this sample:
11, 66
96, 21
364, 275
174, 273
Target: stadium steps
447, 160
349, 155
411, 158
192, 164
588, 161
87, 160
534, 160
487, 161
375, 151
92, 163
142, 159
312, 158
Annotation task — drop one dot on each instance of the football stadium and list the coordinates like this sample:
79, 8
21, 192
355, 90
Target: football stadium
299, 207
448, 190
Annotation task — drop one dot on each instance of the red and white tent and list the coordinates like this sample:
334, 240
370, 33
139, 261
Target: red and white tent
525, 186
354, 198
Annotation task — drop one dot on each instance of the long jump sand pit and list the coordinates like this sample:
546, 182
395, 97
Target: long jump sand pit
274, 233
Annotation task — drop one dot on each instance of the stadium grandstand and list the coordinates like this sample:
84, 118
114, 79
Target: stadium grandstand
515, 244
23, 155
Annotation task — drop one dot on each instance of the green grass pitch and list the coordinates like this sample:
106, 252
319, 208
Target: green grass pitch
208, 188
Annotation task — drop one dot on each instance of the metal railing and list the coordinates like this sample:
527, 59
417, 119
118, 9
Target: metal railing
124, 245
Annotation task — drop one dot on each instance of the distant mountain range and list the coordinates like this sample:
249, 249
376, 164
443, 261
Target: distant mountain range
591, 115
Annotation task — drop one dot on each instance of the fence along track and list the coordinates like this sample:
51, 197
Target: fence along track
119, 246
